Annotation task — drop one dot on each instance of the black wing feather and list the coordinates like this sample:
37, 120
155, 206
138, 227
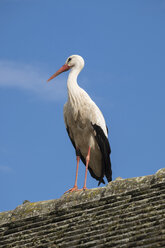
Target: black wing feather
105, 149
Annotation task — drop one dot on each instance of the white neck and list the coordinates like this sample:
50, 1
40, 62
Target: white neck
73, 87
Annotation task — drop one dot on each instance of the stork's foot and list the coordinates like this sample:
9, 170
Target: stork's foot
75, 188
83, 189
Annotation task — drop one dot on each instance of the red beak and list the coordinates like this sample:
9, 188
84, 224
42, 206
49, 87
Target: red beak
62, 69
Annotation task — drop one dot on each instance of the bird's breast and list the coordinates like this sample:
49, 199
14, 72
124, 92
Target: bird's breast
82, 132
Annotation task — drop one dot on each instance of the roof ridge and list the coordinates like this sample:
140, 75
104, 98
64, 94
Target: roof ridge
76, 199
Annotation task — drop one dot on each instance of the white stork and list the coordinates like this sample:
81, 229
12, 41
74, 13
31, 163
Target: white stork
86, 126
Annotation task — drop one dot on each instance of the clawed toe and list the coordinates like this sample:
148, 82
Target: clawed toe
75, 188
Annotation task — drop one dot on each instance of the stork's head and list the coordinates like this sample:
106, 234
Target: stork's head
72, 62
75, 61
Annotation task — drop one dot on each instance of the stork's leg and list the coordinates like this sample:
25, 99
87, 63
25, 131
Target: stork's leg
78, 160
75, 188
86, 169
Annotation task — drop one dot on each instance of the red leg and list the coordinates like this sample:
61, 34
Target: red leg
86, 169
75, 188
78, 160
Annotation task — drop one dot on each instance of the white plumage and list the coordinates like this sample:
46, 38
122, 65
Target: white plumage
85, 125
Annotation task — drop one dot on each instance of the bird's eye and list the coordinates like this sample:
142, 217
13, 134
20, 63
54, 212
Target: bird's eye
69, 59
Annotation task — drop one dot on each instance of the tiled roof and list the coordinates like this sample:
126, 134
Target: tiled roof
125, 213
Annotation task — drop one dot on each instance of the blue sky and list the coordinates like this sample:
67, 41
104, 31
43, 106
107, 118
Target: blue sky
123, 45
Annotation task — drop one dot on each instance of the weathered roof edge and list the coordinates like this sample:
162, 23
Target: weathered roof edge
117, 187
